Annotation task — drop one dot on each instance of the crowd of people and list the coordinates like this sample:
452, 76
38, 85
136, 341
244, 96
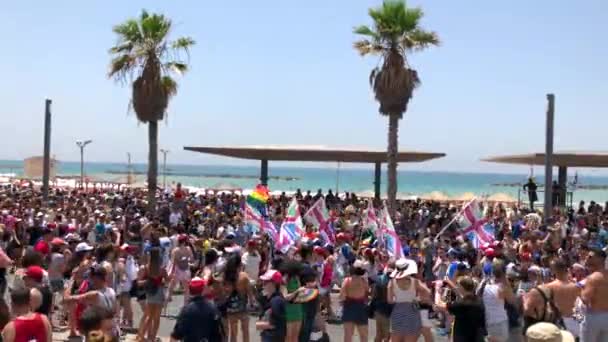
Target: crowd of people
86, 259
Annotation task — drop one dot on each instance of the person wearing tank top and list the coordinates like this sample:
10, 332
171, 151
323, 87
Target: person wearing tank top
353, 295
27, 326
99, 293
181, 258
494, 294
403, 289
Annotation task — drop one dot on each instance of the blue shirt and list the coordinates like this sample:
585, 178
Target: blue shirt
274, 313
452, 269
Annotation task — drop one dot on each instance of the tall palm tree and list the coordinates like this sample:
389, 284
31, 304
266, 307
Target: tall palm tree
396, 32
145, 55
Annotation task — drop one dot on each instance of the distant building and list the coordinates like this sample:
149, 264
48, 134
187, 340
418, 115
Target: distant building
33, 168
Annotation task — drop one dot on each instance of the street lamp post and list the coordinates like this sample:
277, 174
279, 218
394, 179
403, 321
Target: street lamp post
164, 152
81, 144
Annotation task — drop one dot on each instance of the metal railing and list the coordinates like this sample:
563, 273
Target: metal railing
522, 198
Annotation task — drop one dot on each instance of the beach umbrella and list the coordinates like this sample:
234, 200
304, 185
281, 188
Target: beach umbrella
366, 194
501, 197
467, 196
435, 196
406, 197
225, 187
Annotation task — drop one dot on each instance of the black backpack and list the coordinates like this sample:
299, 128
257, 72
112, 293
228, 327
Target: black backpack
551, 312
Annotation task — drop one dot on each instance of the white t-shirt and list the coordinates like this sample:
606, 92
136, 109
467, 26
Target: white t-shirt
174, 218
107, 298
252, 264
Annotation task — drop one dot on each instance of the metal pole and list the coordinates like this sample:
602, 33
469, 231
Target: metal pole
47, 151
129, 175
338, 179
164, 169
549, 156
81, 166
164, 152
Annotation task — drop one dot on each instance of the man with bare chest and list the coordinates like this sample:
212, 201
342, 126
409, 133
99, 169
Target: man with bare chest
561, 292
181, 260
595, 296
564, 293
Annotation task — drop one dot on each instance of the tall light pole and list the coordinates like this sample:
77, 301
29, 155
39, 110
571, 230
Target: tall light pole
46, 167
164, 152
129, 171
82, 144
548, 206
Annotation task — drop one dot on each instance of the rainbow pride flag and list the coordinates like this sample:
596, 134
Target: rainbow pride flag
258, 199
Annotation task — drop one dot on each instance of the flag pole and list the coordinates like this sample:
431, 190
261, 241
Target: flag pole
453, 219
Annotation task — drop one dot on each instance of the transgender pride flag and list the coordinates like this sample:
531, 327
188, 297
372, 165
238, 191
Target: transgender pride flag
474, 226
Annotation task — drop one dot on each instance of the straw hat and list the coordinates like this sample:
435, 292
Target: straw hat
547, 332
403, 268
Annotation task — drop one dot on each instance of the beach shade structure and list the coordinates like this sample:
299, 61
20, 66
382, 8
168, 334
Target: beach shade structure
501, 197
315, 154
465, 197
562, 160
435, 196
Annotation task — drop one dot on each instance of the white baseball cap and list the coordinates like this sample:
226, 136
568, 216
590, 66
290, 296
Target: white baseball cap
83, 247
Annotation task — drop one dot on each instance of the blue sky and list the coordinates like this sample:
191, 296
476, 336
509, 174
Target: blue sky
284, 72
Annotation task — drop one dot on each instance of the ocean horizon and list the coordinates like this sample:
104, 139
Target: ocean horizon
349, 179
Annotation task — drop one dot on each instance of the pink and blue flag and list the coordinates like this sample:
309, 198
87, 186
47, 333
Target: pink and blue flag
391, 239
474, 226
292, 228
319, 216
256, 220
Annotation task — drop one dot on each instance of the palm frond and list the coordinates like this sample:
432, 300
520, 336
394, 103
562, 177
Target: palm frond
372, 76
128, 32
365, 30
409, 19
155, 28
419, 39
169, 85
366, 47
125, 47
121, 66
179, 68
183, 43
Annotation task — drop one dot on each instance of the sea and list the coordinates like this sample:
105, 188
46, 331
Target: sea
358, 180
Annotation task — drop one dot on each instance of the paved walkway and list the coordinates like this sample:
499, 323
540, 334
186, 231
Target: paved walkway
335, 331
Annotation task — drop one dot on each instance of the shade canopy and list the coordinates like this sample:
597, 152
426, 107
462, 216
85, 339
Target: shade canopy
563, 159
312, 154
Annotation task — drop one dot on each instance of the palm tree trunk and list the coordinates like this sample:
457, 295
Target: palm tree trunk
393, 147
152, 164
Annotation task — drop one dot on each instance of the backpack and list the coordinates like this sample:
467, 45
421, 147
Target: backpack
551, 313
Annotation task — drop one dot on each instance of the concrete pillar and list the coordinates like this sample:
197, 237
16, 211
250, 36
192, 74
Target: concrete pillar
377, 178
562, 180
264, 172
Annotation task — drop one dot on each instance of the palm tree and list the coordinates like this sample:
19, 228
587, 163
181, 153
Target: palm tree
145, 56
396, 32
